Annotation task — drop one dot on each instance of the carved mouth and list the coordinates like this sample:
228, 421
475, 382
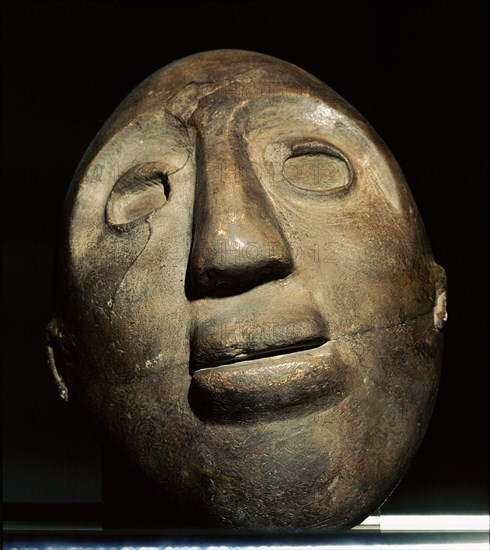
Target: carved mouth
261, 357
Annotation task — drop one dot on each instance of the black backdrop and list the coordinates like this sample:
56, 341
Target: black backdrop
416, 70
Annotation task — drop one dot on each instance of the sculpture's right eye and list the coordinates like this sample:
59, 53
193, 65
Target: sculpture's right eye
138, 193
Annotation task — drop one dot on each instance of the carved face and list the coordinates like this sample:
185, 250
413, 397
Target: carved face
248, 303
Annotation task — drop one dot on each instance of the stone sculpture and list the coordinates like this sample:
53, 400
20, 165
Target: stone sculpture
248, 309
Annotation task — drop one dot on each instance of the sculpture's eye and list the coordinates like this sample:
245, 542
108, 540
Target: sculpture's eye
137, 193
317, 171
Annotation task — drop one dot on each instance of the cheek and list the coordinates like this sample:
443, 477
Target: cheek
135, 319
150, 312
131, 317
390, 406
366, 267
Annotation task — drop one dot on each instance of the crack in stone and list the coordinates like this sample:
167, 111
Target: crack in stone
168, 174
345, 336
216, 82
379, 329
116, 290
150, 233
189, 98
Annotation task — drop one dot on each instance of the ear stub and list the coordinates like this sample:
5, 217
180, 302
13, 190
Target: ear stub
440, 302
440, 310
52, 341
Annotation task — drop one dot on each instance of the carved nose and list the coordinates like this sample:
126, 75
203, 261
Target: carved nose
237, 241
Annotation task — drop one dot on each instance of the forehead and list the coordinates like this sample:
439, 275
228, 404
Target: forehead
223, 78
262, 96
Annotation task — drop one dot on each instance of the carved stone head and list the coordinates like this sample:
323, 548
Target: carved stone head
248, 307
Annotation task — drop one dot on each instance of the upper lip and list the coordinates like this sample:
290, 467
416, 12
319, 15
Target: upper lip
226, 341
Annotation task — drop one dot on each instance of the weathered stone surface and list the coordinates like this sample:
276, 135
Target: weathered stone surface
248, 309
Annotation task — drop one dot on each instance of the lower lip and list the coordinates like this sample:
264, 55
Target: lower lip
269, 385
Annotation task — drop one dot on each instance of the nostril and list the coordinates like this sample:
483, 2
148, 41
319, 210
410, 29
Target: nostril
234, 279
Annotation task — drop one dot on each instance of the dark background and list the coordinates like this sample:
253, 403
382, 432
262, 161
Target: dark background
416, 70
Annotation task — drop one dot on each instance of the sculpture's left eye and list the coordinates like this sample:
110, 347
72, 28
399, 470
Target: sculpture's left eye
137, 194
320, 172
